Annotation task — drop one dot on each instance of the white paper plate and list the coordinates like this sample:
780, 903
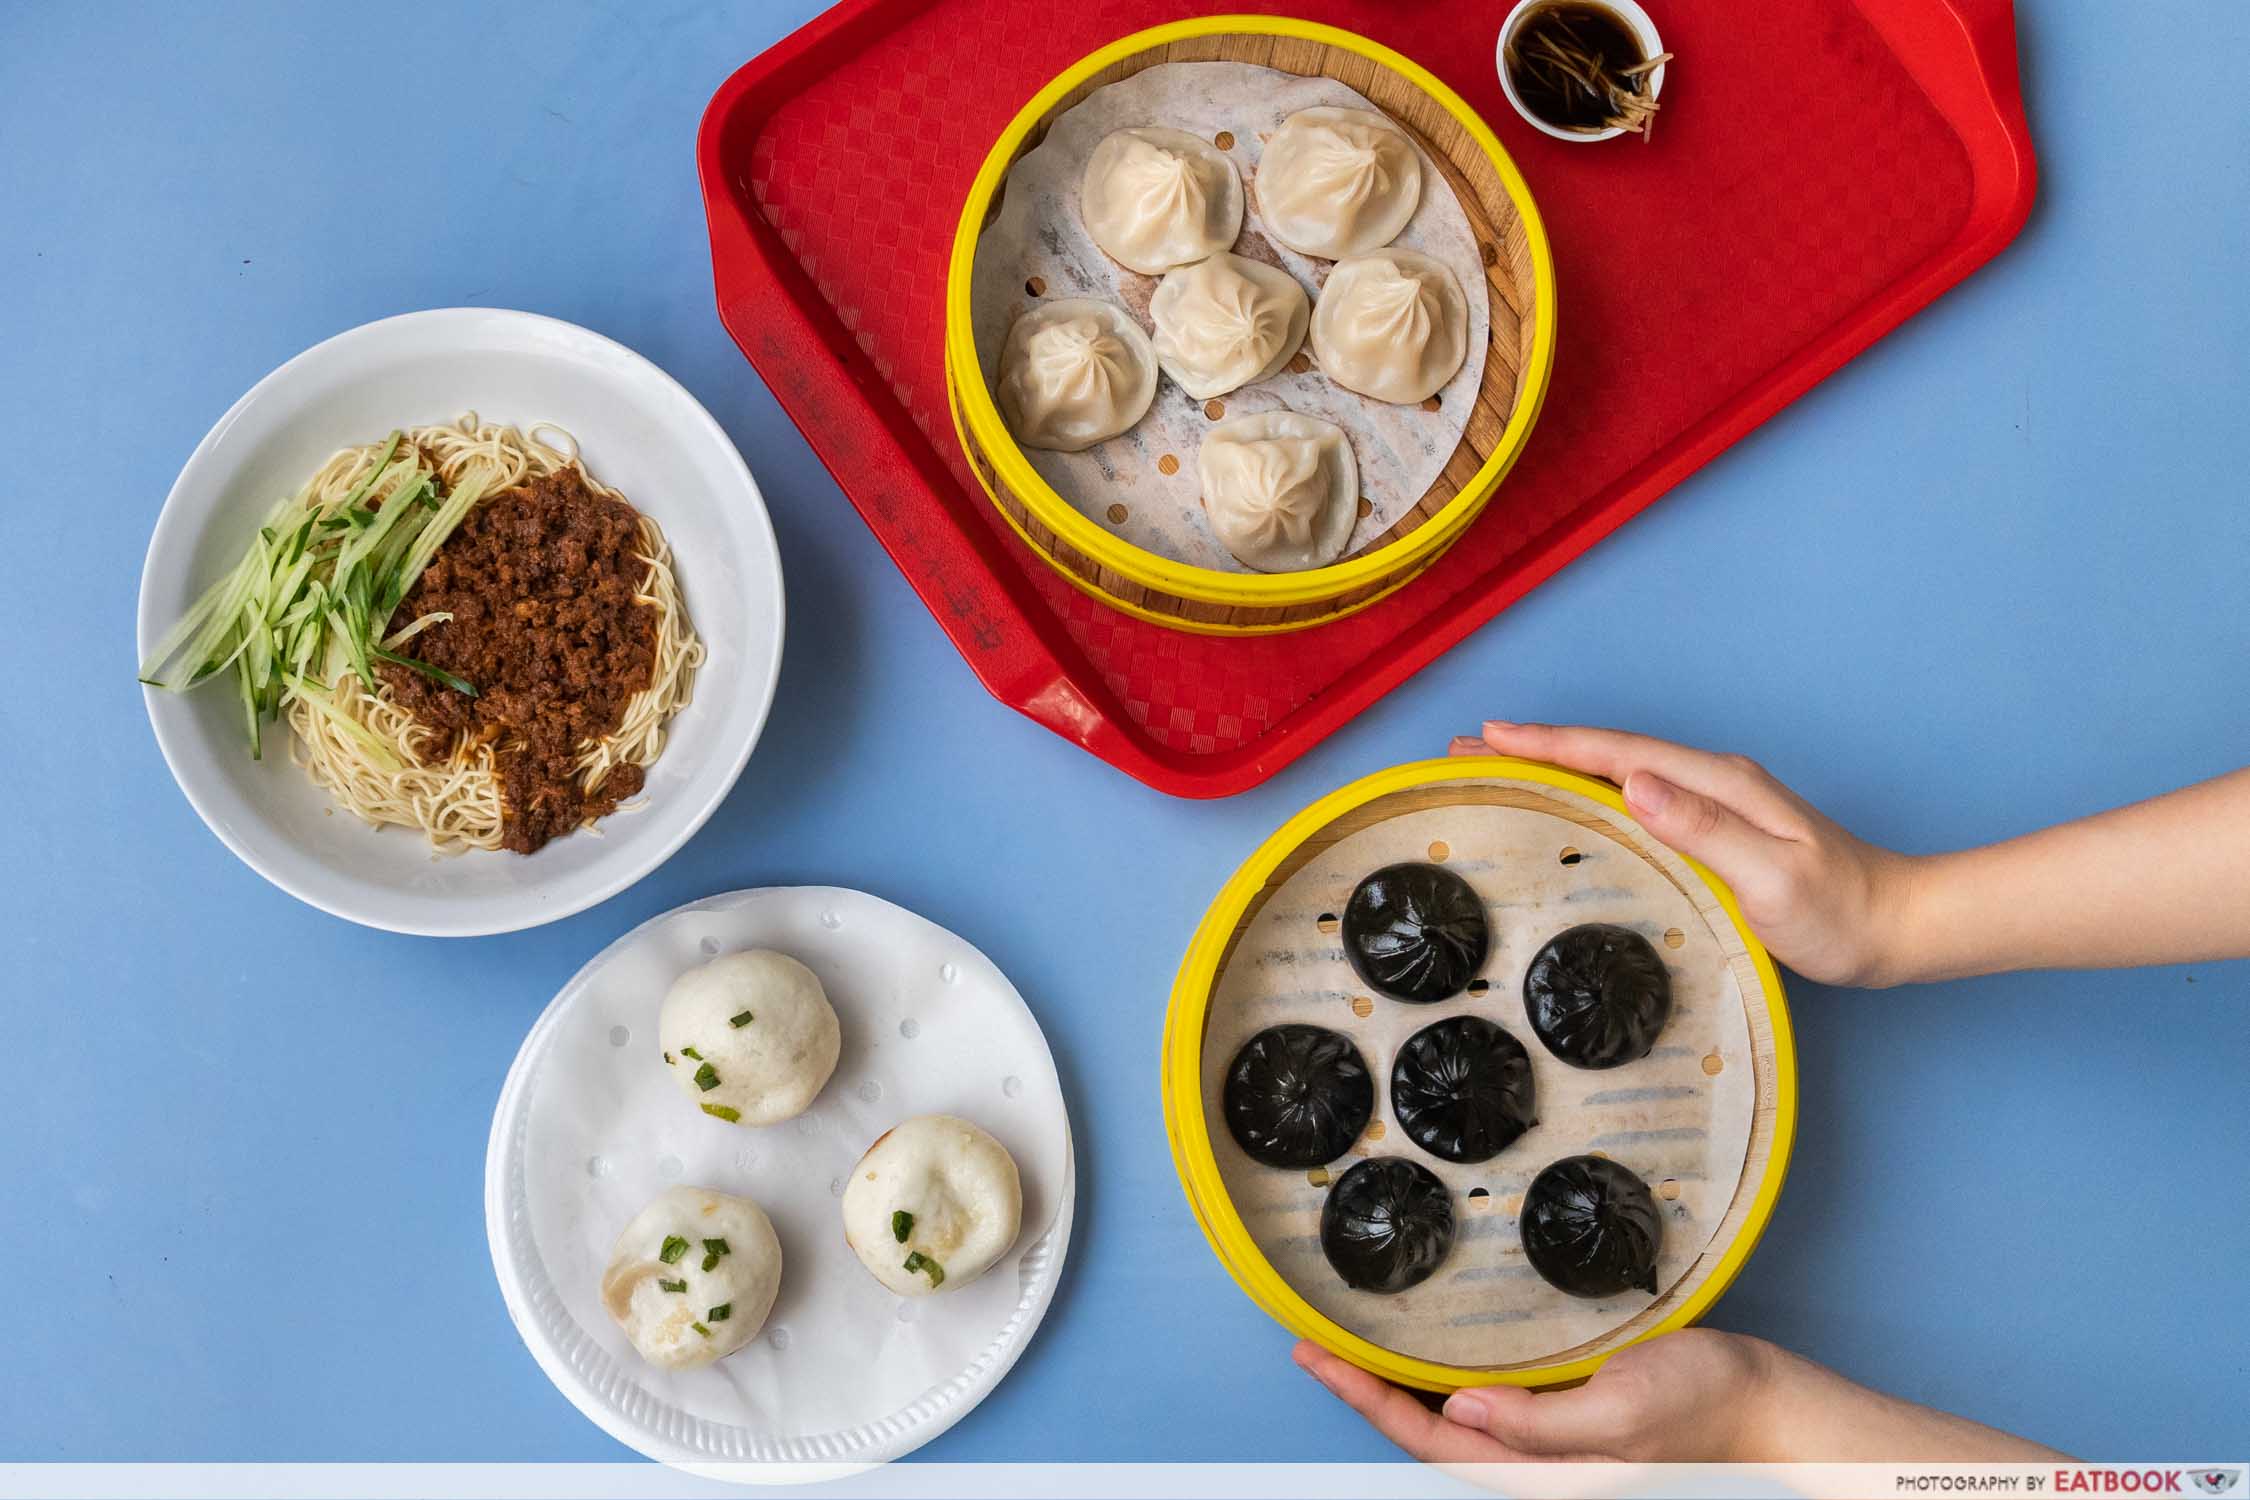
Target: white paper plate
639, 431
590, 1126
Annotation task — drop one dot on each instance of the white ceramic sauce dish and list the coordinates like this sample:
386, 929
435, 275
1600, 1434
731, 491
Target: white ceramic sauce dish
1635, 19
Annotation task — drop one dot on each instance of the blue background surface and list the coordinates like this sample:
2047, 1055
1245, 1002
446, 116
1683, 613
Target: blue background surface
1989, 576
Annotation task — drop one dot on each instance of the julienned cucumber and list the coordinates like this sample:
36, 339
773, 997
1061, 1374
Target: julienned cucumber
313, 596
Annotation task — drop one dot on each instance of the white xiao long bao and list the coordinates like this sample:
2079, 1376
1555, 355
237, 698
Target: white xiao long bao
1338, 182
1227, 322
1393, 325
1281, 489
1073, 373
1154, 198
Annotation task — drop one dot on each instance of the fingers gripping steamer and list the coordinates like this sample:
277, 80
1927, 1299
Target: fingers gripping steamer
1702, 1119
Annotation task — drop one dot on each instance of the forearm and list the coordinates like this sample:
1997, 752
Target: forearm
2163, 881
1809, 1414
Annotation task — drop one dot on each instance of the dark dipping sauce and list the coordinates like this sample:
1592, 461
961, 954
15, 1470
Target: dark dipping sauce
1566, 58
540, 582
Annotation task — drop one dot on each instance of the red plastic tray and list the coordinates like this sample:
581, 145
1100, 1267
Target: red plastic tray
1821, 171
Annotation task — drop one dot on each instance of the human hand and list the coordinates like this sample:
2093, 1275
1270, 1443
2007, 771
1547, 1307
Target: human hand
1827, 904
1696, 1396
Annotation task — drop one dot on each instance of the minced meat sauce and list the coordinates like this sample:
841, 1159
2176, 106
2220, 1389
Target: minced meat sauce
540, 581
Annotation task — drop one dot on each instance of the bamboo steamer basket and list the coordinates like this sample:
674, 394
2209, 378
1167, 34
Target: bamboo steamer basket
1455, 781
1519, 287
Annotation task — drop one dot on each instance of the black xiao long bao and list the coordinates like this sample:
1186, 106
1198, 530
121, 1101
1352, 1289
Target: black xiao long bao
1388, 1223
1462, 1090
1598, 995
1297, 1096
1415, 932
1591, 1228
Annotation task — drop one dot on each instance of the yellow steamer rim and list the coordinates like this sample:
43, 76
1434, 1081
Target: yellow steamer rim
1362, 804
1520, 287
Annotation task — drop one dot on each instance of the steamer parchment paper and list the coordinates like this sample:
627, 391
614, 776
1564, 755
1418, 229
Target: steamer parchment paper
844, 1369
1040, 233
1664, 1116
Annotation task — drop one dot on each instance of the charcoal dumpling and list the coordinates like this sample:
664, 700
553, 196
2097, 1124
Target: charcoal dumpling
1461, 1089
1591, 1229
1298, 1096
1387, 1224
1597, 995
1415, 932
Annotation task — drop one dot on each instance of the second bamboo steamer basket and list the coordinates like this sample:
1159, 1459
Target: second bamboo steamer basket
1590, 814
1519, 287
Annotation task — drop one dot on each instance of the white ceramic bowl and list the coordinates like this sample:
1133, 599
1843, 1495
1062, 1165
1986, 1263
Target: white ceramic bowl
640, 432
1627, 11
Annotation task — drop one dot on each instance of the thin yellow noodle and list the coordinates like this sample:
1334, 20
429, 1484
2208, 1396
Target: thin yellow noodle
452, 791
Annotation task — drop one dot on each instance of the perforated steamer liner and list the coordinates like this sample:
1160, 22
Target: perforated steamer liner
1592, 811
1519, 288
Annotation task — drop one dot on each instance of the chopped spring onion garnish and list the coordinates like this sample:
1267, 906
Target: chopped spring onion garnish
917, 1261
691, 1052
902, 1224
706, 1078
699, 1328
667, 1059
313, 595
721, 1313
671, 1286
740, 1019
726, 1112
713, 1249
674, 1248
